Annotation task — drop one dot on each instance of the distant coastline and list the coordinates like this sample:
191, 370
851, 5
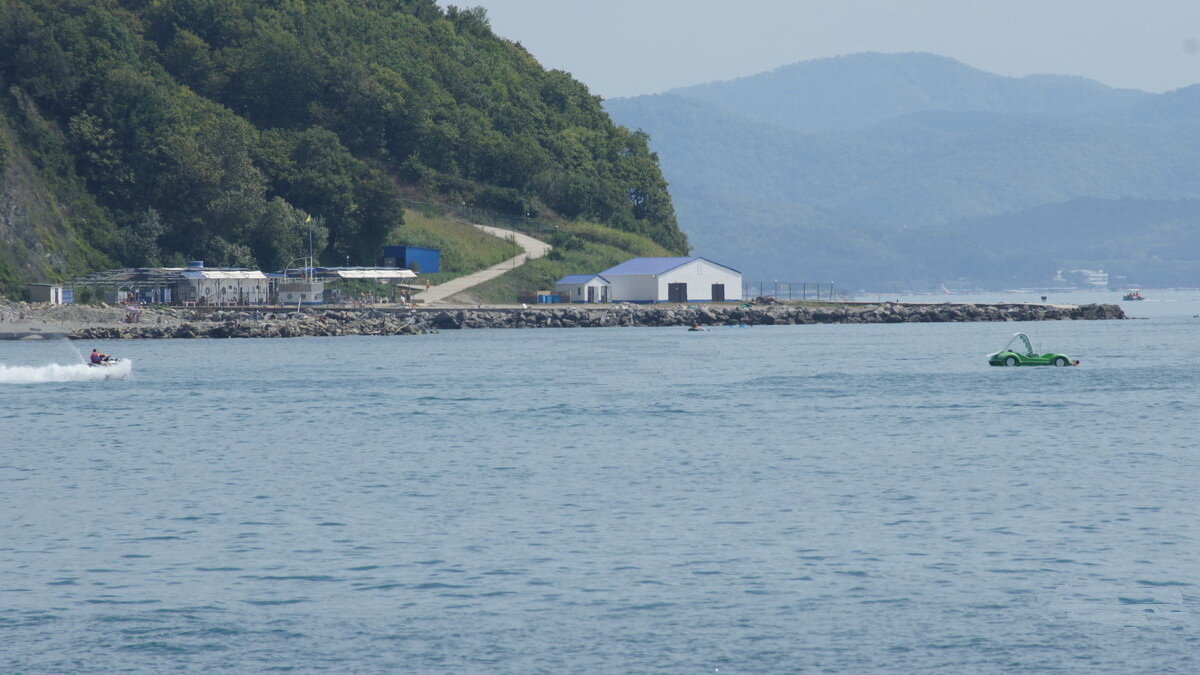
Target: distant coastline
23, 321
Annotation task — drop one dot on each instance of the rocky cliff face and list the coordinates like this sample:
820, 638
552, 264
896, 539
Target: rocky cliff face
37, 241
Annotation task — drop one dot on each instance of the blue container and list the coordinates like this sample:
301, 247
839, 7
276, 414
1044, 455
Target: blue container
415, 258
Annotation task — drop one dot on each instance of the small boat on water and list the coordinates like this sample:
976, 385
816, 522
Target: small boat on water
1133, 294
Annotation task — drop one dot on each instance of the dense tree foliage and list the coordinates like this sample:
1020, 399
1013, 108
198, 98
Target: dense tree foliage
223, 129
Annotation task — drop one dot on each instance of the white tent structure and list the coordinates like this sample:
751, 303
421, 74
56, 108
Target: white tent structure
375, 273
223, 286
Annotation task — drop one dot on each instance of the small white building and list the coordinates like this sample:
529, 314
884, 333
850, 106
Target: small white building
673, 280
584, 288
53, 294
301, 292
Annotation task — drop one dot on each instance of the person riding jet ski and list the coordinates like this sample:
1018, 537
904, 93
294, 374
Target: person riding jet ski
98, 359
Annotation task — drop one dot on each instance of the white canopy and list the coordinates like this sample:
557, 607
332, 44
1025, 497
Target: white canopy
374, 274
222, 274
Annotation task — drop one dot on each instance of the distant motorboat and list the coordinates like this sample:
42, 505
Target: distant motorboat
1133, 294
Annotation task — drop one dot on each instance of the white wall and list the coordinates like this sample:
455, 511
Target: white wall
700, 275
224, 291
634, 288
45, 293
602, 292
301, 292
570, 292
579, 292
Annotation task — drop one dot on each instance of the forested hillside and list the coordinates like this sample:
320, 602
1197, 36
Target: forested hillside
170, 129
877, 178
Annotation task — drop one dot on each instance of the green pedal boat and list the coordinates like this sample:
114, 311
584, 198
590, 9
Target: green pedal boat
1027, 357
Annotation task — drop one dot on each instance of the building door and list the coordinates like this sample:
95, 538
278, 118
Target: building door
677, 292
718, 292
591, 293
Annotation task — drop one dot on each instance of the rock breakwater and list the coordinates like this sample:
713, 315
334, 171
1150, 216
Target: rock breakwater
403, 321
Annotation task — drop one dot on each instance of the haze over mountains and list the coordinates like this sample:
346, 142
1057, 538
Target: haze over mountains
914, 170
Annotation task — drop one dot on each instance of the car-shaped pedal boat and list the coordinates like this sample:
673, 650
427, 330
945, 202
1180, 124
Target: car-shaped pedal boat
1024, 355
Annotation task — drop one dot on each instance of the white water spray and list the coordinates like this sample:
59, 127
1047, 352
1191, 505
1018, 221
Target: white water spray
57, 372
82, 358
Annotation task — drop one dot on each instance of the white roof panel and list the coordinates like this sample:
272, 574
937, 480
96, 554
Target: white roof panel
376, 274
223, 274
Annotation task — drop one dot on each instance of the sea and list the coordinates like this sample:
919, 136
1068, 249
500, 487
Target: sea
836, 498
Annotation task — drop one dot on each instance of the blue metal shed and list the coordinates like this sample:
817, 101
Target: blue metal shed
415, 258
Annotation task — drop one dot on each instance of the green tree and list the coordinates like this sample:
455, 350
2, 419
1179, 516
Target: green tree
209, 111
138, 243
282, 234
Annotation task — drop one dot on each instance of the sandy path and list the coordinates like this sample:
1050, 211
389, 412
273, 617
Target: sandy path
534, 248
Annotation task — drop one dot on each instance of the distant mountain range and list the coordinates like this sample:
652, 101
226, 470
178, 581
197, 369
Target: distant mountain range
914, 170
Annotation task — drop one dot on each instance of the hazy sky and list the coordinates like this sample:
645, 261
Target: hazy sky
629, 47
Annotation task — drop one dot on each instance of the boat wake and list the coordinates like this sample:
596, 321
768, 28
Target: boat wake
58, 372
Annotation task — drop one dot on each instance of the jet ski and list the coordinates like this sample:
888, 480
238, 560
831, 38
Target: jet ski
105, 362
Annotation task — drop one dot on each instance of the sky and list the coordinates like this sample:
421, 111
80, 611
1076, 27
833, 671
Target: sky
632, 47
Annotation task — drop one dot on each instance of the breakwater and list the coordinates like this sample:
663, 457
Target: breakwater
181, 323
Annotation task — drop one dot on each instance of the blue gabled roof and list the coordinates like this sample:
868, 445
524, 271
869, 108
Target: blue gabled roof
655, 266
581, 278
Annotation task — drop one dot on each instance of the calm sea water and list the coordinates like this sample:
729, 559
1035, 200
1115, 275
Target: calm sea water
846, 498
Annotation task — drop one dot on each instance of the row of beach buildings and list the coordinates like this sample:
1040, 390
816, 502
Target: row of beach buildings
643, 280
198, 284
207, 286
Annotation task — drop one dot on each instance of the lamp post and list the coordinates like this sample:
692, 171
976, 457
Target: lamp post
308, 267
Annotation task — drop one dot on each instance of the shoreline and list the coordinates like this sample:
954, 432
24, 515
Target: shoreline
22, 321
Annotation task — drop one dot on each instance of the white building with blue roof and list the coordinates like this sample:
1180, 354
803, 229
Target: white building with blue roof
583, 288
673, 280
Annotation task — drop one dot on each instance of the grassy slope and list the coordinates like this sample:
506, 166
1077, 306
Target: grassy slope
579, 248
465, 249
